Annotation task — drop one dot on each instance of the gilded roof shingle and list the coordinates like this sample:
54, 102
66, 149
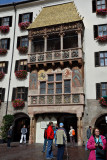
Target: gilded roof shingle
53, 15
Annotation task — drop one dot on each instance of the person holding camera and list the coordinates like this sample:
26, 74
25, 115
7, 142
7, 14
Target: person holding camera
97, 146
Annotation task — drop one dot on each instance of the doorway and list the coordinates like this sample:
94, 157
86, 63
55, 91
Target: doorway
69, 120
102, 125
18, 124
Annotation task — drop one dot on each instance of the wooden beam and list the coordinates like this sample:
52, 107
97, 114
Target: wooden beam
62, 63
70, 62
45, 64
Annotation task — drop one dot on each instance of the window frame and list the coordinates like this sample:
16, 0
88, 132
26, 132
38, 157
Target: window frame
2, 69
25, 18
54, 82
5, 21
24, 41
42, 88
21, 92
101, 5
102, 29
103, 89
98, 58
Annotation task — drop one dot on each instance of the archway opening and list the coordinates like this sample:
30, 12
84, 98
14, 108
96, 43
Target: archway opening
43, 119
20, 120
102, 125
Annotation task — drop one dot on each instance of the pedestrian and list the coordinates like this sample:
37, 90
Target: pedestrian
50, 137
61, 140
23, 134
45, 139
97, 144
72, 136
56, 128
9, 136
88, 136
89, 132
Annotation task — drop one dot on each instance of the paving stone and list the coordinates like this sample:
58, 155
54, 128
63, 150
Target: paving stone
34, 152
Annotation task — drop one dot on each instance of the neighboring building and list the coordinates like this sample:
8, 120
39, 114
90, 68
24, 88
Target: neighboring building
66, 64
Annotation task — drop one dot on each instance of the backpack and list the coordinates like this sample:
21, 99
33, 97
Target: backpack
45, 134
73, 132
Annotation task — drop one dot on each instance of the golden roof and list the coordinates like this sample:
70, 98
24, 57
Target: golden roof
58, 14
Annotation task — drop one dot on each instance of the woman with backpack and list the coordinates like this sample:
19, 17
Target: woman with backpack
72, 136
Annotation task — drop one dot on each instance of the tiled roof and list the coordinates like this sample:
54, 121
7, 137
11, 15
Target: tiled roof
58, 14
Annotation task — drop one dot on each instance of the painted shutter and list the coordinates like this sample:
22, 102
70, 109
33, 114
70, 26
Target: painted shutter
98, 90
26, 93
93, 6
97, 60
14, 94
95, 31
20, 18
6, 66
31, 17
16, 65
10, 21
18, 42
8, 43
3, 94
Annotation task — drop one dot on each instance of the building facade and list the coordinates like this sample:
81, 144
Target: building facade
57, 66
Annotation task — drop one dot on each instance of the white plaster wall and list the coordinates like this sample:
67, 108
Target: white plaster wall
40, 131
92, 74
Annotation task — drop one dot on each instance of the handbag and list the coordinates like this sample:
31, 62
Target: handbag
99, 150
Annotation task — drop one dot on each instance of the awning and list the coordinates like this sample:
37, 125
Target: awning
54, 15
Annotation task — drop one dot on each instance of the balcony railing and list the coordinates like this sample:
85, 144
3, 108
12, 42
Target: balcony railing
59, 99
55, 55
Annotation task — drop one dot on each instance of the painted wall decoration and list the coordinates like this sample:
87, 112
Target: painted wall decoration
41, 75
33, 80
76, 78
67, 73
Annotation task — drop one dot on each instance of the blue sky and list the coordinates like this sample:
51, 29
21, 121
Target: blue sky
10, 1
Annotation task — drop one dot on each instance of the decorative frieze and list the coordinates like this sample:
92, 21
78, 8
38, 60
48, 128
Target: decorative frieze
56, 29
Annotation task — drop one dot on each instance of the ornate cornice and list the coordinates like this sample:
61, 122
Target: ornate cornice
56, 29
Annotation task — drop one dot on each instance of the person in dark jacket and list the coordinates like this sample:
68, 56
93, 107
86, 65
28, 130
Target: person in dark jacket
50, 137
9, 136
45, 139
89, 132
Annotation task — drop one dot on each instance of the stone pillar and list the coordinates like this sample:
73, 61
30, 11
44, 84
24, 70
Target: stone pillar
61, 40
79, 39
30, 46
45, 43
79, 131
79, 32
32, 130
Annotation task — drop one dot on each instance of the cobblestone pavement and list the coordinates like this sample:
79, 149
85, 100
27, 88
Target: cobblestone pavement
34, 152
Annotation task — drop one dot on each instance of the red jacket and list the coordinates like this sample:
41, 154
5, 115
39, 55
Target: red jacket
50, 133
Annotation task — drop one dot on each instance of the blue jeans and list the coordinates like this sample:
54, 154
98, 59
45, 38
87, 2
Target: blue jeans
44, 146
60, 152
49, 149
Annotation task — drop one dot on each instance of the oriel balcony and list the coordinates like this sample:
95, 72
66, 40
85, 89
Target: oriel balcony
55, 48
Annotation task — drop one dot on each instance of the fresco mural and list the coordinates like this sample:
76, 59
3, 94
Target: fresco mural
42, 75
33, 80
76, 78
